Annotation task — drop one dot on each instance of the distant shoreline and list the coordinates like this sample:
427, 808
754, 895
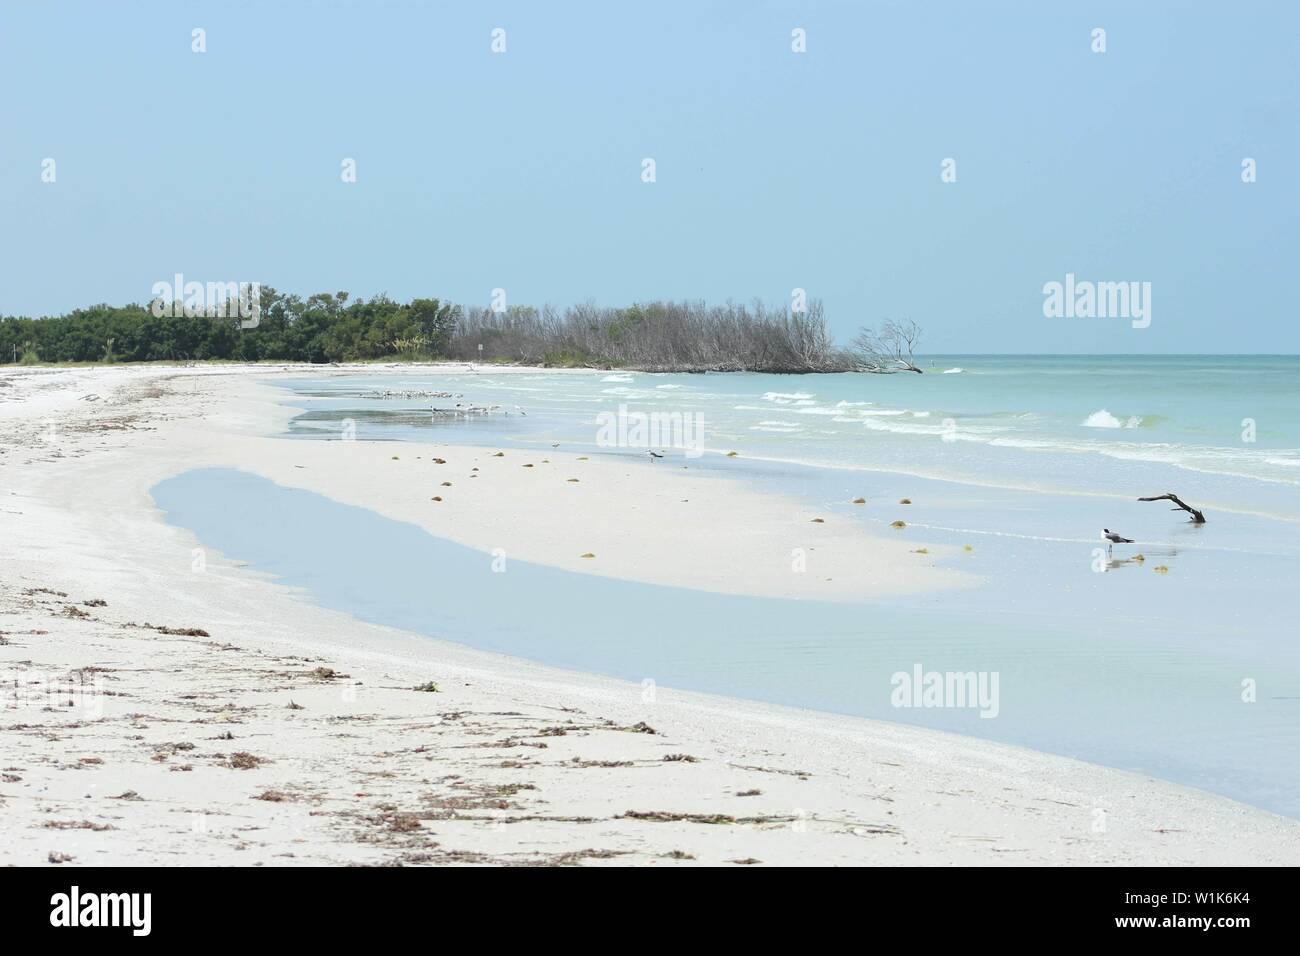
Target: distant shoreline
923, 360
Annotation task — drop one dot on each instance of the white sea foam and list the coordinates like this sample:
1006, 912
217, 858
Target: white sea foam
898, 428
952, 371
617, 378
1104, 419
1032, 443
785, 398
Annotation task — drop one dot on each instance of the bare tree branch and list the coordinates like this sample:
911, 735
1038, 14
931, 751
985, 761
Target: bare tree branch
1197, 517
891, 349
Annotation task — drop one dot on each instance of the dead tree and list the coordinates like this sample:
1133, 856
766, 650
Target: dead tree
1197, 517
892, 349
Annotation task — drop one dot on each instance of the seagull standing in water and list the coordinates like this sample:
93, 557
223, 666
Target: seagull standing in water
1113, 538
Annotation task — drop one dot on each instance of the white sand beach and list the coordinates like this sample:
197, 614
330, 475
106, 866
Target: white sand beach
284, 733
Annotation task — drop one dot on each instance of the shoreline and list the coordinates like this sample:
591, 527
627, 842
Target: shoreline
447, 776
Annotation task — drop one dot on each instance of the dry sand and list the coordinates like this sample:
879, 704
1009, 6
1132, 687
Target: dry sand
285, 733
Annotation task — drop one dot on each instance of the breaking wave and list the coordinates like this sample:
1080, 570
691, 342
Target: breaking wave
1104, 419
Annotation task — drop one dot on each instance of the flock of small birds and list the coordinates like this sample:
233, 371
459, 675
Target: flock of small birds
1111, 538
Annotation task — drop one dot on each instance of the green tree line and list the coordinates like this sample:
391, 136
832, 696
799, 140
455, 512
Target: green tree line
327, 327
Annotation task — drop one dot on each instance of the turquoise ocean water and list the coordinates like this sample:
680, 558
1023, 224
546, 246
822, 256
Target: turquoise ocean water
1192, 675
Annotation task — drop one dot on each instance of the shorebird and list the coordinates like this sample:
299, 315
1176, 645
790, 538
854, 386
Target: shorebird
1114, 538
654, 454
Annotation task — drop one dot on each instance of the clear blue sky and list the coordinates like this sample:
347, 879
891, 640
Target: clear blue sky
775, 170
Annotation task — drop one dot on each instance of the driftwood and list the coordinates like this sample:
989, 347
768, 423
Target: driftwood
1197, 517
892, 349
